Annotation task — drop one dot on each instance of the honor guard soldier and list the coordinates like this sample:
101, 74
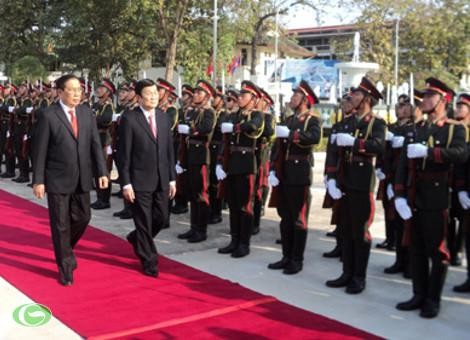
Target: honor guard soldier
291, 176
237, 166
86, 93
181, 197
21, 122
462, 186
198, 129
347, 109
422, 195
8, 113
104, 111
216, 143
362, 139
263, 150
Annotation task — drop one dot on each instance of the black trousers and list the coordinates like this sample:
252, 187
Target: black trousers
215, 201
198, 189
3, 137
390, 231
428, 236
240, 202
294, 210
356, 215
150, 212
23, 159
69, 216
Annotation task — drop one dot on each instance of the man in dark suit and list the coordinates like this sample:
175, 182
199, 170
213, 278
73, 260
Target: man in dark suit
146, 171
66, 145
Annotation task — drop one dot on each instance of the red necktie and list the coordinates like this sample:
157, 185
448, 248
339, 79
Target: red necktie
73, 120
152, 125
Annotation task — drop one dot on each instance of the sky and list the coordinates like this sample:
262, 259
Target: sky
305, 17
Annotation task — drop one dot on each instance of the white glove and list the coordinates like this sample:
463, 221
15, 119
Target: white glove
109, 150
282, 131
464, 199
344, 139
403, 208
25, 138
390, 192
183, 129
115, 117
333, 190
220, 173
389, 136
179, 169
333, 138
417, 150
29, 109
397, 142
11, 108
226, 127
380, 174
272, 179
8, 134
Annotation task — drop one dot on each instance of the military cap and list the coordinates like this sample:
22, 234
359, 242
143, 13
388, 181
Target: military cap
173, 94
464, 98
131, 84
404, 99
266, 97
434, 85
12, 87
305, 89
188, 89
418, 95
219, 91
367, 87
107, 83
250, 87
206, 87
233, 94
164, 84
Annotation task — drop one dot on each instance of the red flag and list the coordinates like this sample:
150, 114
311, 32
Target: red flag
210, 70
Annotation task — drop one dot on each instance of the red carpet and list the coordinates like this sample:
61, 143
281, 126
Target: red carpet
112, 299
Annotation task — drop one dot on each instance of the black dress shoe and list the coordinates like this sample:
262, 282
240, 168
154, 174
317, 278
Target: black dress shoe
356, 285
430, 309
186, 235
394, 269
99, 205
463, 288
293, 267
197, 237
255, 230
241, 251
21, 179
279, 264
455, 261
119, 213
228, 249
179, 210
278, 241
215, 220
341, 281
331, 233
30, 185
152, 272
126, 215
66, 279
336, 252
7, 175
412, 304
383, 245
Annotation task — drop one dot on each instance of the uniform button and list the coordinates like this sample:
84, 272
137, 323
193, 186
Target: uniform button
436, 184
438, 142
197, 145
296, 161
243, 152
411, 140
361, 164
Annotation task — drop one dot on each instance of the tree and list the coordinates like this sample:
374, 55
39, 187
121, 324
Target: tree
27, 68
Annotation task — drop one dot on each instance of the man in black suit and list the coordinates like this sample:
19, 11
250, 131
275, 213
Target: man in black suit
66, 145
146, 171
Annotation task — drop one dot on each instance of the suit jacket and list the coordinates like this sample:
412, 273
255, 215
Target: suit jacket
62, 162
143, 160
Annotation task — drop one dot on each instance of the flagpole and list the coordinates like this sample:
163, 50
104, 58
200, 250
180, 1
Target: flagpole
214, 52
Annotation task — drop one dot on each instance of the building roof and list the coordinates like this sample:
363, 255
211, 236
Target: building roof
325, 29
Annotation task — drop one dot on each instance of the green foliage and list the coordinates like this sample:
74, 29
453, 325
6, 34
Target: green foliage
29, 68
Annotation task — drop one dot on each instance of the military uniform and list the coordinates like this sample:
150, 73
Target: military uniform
357, 182
238, 159
425, 183
104, 112
294, 156
21, 123
262, 153
201, 122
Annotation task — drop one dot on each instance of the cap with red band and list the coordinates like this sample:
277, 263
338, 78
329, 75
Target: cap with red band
164, 84
109, 85
434, 85
369, 88
206, 87
464, 98
250, 87
266, 97
305, 89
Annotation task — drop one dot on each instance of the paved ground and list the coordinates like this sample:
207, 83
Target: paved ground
372, 310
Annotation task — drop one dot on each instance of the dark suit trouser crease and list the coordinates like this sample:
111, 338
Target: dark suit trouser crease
69, 216
356, 216
294, 211
150, 211
215, 201
240, 201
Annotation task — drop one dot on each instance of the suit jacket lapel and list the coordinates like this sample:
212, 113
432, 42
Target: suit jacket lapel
61, 114
145, 124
